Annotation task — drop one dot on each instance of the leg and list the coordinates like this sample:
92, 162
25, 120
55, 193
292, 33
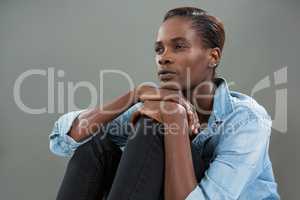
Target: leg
91, 170
140, 174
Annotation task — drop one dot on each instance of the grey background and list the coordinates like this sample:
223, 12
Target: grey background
83, 37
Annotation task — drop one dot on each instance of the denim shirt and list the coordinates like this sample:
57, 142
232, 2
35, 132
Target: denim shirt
235, 143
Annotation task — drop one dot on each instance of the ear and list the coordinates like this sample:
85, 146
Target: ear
215, 56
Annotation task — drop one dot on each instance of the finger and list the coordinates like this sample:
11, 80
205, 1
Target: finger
196, 122
146, 97
160, 94
171, 96
190, 117
190, 120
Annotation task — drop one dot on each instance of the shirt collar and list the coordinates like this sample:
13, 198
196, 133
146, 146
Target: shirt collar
222, 104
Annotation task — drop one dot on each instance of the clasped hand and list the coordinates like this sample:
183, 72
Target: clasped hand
162, 103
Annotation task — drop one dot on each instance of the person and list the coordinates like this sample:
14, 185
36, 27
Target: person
188, 138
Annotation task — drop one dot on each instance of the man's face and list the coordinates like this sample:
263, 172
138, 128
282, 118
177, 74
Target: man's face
179, 51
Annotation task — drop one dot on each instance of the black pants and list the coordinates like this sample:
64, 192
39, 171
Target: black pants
99, 170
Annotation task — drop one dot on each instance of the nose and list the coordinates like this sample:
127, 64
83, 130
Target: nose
164, 61
165, 58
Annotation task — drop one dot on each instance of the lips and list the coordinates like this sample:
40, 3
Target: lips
165, 71
165, 74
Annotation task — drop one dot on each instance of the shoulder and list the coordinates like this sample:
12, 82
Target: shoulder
247, 114
243, 103
245, 132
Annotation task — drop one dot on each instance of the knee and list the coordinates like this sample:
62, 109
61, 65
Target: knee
147, 127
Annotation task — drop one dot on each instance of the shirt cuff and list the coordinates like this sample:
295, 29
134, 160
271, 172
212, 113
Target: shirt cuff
60, 142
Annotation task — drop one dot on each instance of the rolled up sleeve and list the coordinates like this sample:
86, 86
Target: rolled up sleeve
60, 142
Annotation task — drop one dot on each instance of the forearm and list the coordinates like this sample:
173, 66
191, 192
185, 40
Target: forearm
90, 120
180, 179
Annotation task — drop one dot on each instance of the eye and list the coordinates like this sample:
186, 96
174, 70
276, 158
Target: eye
179, 46
159, 49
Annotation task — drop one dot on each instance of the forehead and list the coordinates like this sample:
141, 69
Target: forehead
176, 27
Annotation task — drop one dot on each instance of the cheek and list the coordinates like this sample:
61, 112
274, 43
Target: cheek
199, 59
197, 65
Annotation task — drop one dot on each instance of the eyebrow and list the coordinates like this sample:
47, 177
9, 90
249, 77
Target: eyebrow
176, 39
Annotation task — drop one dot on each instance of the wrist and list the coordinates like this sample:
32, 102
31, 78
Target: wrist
134, 95
173, 112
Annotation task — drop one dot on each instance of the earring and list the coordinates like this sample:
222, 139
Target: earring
212, 65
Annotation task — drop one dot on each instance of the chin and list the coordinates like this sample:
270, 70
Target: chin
172, 85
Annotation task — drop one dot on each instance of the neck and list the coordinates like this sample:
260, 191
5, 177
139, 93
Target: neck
202, 97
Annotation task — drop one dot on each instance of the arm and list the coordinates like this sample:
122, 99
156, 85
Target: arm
100, 116
239, 158
89, 121
180, 179
62, 144
74, 128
